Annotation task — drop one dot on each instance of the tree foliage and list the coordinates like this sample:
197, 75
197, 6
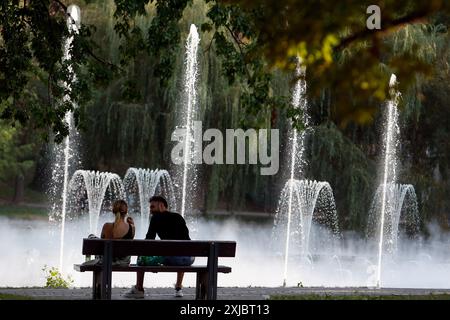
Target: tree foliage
16, 151
251, 37
32, 39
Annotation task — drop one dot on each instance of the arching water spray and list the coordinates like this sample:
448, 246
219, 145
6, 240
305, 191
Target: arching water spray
147, 183
401, 209
93, 186
310, 200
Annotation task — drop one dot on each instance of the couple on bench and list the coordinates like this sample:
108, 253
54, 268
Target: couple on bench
166, 224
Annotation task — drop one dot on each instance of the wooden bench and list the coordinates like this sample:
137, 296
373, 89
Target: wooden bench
206, 284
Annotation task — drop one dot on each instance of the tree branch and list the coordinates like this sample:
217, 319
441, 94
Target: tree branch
240, 49
390, 26
104, 61
88, 49
210, 43
61, 4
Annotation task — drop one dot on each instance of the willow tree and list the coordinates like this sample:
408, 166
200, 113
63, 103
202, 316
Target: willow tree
426, 151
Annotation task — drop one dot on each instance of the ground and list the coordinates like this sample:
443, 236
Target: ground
233, 293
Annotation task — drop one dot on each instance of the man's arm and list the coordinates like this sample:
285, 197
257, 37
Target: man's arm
151, 233
185, 230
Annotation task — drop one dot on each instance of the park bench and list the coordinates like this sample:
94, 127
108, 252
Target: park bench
206, 284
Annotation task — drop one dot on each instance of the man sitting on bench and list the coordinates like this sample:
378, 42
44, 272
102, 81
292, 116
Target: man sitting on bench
168, 226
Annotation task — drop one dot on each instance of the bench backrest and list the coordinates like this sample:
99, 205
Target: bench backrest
197, 248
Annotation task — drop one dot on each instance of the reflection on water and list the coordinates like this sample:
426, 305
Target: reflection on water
27, 246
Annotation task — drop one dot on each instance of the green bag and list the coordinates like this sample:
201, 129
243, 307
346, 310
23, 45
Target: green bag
150, 260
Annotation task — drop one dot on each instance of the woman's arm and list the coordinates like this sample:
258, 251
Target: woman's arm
104, 234
130, 221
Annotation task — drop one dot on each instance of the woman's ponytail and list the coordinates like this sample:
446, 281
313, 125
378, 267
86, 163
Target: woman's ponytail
120, 209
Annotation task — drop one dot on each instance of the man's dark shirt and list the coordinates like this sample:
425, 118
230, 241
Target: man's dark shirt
168, 226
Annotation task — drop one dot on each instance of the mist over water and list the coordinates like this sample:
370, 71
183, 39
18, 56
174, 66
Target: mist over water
27, 246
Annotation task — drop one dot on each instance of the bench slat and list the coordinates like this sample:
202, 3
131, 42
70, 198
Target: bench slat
154, 269
195, 248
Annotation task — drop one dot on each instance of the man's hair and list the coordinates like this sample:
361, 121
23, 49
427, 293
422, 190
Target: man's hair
159, 199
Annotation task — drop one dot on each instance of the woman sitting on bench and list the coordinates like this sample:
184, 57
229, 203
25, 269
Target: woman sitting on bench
122, 228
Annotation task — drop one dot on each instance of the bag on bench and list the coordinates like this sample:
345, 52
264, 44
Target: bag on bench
165, 261
150, 260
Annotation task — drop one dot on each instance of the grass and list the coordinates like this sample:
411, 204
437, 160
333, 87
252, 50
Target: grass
5, 296
32, 208
23, 212
360, 297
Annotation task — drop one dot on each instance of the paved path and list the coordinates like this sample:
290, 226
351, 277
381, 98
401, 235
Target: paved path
224, 293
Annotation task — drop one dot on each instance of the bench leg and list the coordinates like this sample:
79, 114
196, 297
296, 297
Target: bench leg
212, 286
100, 286
96, 285
213, 261
201, 290
106, 271
105, 287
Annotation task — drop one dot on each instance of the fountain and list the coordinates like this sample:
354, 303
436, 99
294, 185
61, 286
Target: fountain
92, 186
145, 183
65, 155
297, 149
390, 195
310, 201
400, 210
187, 174
300, 199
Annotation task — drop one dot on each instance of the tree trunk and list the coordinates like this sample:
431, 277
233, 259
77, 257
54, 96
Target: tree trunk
19, 189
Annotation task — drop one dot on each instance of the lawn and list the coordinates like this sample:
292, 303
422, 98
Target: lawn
4, 296
33, 207
23, 212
